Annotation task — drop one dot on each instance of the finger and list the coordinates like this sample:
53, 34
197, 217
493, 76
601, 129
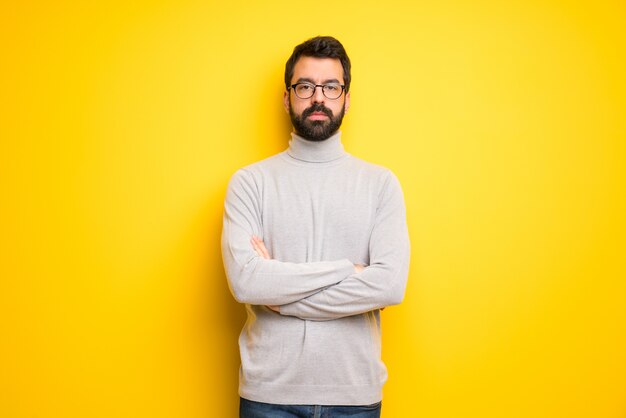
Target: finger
264, 250
259, 253
256, 248
261, 246
260, 249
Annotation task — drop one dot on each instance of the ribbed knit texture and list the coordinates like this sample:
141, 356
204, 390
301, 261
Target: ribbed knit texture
319, 211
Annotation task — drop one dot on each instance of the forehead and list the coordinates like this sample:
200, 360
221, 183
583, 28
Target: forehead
318, 69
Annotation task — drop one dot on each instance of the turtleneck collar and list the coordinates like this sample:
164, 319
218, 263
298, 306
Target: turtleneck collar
316, 151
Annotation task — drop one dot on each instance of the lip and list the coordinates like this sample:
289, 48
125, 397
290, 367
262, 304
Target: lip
318, 116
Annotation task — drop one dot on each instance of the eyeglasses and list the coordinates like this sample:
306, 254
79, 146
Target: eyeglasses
331, 91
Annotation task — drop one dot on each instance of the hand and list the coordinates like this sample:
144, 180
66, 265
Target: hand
259, 247
359, 267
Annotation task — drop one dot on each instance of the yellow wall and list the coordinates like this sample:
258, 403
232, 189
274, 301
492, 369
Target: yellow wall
121, 124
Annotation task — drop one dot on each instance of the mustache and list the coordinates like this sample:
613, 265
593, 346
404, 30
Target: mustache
317, 108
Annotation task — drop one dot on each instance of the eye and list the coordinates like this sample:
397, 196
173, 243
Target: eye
305, 87
331, 87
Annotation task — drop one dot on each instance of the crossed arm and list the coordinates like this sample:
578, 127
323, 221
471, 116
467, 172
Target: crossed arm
322, 290
261, 250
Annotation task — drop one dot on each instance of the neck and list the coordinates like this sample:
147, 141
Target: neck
316, 151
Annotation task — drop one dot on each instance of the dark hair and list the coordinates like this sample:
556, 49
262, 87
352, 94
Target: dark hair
319, 47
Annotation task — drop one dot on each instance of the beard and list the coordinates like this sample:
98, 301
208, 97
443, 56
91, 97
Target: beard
316, 130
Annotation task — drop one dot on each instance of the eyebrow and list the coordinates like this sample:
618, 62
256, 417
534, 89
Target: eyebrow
308, 80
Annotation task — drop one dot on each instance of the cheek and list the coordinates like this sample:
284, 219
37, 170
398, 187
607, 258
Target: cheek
337, 108
298, 108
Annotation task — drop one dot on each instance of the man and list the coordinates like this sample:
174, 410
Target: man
315, 243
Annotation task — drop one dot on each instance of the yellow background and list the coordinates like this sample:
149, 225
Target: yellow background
121, 124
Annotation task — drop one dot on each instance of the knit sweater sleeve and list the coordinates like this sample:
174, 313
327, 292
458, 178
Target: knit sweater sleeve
380, 284
253, 279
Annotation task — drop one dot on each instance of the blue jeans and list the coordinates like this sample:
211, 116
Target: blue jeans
252, 409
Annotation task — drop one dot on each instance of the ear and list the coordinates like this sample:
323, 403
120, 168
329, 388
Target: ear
286, 100
346, 104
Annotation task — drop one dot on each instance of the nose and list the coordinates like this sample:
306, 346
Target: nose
318, 95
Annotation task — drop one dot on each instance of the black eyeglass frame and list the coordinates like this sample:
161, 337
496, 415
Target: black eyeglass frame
315, 86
